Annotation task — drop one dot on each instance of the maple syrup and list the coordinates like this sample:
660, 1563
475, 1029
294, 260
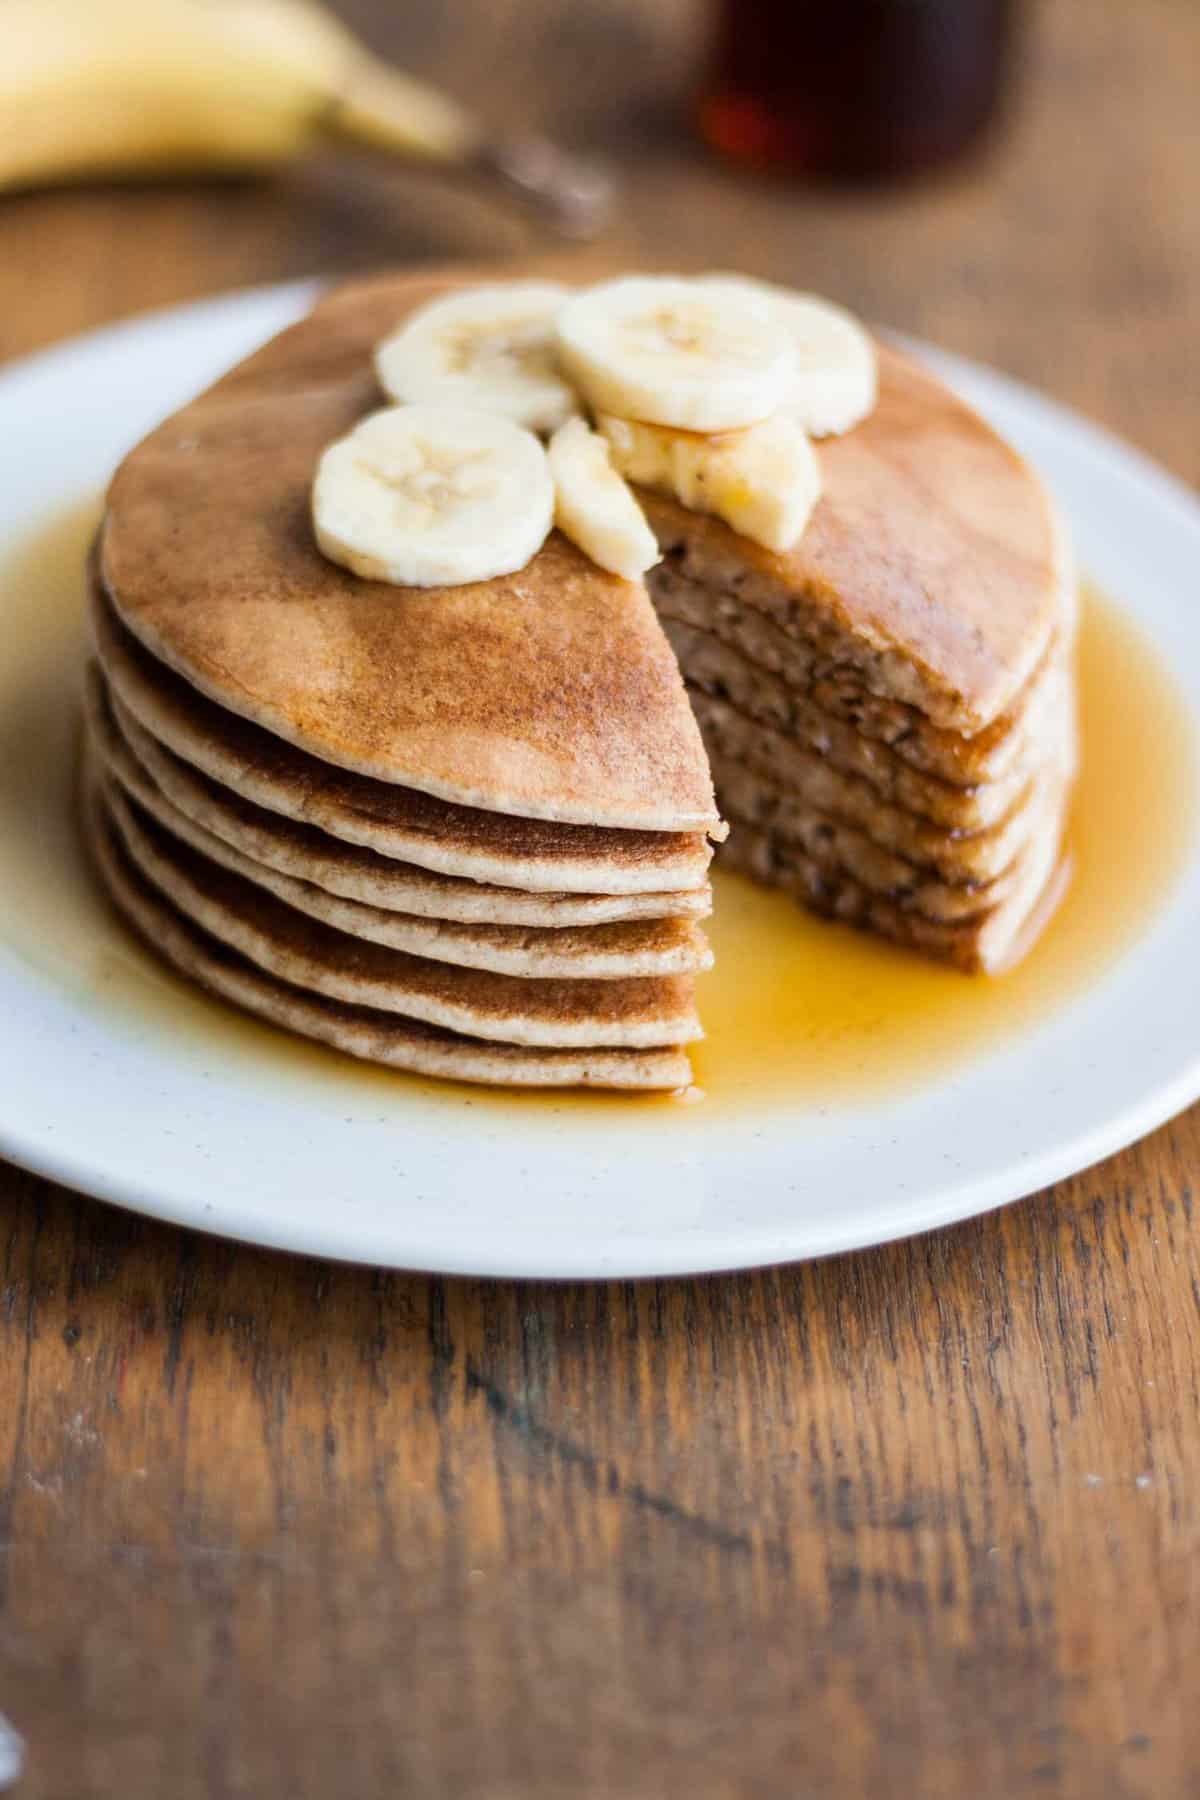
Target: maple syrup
860, 89
796, 1009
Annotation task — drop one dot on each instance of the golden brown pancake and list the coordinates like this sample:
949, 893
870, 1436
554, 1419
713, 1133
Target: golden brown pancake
157, 778
594, 952
642, 1012
550, 694
981, 945
794, 675
933, 565
934, 557
810, 784
379, 1037
725, 674
848, 754
395, 821
837, 849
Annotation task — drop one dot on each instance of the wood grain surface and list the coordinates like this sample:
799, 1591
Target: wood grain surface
918, 1522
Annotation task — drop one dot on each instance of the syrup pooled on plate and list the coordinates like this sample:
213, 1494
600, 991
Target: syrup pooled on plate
797, 1011
797, 1006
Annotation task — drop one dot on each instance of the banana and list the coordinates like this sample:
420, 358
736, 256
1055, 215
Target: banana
763, 481
594, 507
433, 496
673, 352
95, 88
489, 348
88, 88
837, 375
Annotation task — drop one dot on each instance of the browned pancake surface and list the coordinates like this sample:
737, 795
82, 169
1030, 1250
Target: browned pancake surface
598, 952
792, 677
152, 773
640, 1011
933, 554
373, 1036
985, 943
551, 693
398, 821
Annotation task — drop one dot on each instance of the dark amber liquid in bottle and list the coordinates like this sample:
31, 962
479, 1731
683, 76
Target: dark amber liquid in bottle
854, 89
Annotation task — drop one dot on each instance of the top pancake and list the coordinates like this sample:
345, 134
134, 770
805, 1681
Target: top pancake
552, 693
933, 563
549, 694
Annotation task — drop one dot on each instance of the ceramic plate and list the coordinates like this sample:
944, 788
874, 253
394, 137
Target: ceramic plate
116, 1079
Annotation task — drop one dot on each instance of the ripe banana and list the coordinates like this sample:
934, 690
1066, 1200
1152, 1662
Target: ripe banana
452, 486
673, 352
490, 348
837, 378
763, 481
594, 507
117, 87
433, 496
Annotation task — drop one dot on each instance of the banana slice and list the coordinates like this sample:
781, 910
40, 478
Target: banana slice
672, 352
764, 481
594, 507
837, 370
433, 496
488, 348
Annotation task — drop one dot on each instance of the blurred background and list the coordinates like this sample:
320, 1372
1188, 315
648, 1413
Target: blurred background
1016, 179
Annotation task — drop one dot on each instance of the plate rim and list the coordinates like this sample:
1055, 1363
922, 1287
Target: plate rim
989, 1194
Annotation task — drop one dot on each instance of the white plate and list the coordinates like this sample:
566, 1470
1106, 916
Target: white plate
113, 1083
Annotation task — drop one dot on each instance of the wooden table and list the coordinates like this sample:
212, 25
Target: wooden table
918, 1522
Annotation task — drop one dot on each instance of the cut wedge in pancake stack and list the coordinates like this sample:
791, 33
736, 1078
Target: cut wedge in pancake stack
375, 753
889, 708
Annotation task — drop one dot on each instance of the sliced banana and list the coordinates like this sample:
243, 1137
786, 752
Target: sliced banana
488, 348
837, 370
763, 481
674, 353
433, 496
594, 507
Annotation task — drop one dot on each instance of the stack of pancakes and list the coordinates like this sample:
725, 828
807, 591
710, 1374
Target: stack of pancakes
414, 931
460, 831
889, 710
466, 831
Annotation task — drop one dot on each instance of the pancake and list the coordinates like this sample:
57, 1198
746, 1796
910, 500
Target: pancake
839, 849
934, 564
725, 674
986, 944
597, 952
643, 1012
547, 694
371, 1036
807, 783
394, 821
810, 675
157, 778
